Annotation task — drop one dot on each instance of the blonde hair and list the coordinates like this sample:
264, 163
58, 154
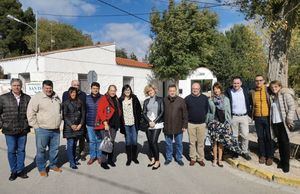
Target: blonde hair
148, 88
276, 82
111, 86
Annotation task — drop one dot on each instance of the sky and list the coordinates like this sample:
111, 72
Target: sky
90, 16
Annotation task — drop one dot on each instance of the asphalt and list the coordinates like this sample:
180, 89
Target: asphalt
171, 179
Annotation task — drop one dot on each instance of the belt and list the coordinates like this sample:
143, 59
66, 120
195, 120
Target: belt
239, 115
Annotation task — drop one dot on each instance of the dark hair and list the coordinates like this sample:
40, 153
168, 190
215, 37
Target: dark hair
237, 77
125, 87
259, 75
73, 89
95, 84
172, 86
217, 85
47, 83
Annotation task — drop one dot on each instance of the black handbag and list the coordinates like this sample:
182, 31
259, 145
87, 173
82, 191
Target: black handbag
144, 125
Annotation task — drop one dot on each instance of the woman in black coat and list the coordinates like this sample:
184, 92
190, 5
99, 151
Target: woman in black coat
74, 117
130, 122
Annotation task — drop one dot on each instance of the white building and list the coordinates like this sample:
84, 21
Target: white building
63, 66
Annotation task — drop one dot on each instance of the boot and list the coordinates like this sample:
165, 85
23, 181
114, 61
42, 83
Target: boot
129, 155
110, 159
134, 154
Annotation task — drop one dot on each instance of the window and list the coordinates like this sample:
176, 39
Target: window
84, 85
129, 81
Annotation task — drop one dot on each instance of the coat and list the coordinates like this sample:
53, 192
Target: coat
44, 111
137, 113
253, 102
13, 119
73, 114
105, 111
176, 115
212, 110
287, 109
91, 106
160, 111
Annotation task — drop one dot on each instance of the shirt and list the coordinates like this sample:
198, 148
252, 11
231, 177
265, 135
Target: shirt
128, 112
276, 116
18, 97
238, 102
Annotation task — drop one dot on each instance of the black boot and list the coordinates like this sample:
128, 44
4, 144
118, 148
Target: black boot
110, 159
134, 154
129, 155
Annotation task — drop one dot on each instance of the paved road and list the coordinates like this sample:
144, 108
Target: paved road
134, 179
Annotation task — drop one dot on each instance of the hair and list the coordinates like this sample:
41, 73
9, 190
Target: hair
16, 80
259, 75
237, 77
218, 85
47, 83
148, 88
95, 84
276, 82
73, 89
125, 87
172, 86
111, 86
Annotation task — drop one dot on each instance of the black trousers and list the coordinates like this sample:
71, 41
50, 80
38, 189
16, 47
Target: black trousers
152, 137
283, 143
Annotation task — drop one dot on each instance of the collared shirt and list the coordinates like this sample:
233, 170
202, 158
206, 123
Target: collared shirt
18, 97
238, 102
276, 116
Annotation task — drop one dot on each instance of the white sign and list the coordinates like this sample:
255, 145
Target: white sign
4, 86
33, 88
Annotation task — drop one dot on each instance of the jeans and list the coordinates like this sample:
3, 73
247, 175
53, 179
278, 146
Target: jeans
16, 152
178, 146
262, 127
95, 139
71, 150
131, 135
152, 137
44, 138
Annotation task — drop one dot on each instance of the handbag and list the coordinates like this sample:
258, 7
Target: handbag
144, 125
106, 144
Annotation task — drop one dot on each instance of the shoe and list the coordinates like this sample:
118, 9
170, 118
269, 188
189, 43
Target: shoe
135, 154
180, 162
235, 155
247, 157
104, 166
167, 162
56, 169
13, 176
279, 165
269, 162
129, 155
262, 160
151, 164
220, 164
23, 175
155, 167
99, 161
111, 163
192, 163
286, 169
43, 174
82, 158
201, 163
74, 167
77, 163
91, 161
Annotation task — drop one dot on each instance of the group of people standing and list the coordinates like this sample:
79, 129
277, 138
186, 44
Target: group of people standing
220, 119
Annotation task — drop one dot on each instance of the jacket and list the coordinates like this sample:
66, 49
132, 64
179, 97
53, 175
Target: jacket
91, 106
247, 99
212, 110
287, 109
175, 116
44, 111
160, 111
105, 111
137, 113
81, 95
253, 102
13, 120
73, 114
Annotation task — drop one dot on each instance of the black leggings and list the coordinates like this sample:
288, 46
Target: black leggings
152, 137
283, 143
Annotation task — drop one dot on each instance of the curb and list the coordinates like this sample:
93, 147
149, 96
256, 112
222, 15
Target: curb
264, 174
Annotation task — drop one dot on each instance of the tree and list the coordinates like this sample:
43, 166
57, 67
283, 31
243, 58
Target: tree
121, 53
12, 42
53, 35
183, 39
280, 17
1, 73
294, 61
133, 56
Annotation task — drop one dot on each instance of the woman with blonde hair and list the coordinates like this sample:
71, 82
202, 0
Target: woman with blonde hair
153, 111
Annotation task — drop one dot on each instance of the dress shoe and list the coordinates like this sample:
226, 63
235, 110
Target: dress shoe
43, 174
155, 167
111, 163
269, 162
262, 160
91, 161
56, 169
74, 167
192, 163
104, 166
220, 164
201, 163
151, 164
167, 162
13, 176
180, 162
23, 175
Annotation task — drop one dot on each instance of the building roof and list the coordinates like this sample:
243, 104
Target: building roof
132, 63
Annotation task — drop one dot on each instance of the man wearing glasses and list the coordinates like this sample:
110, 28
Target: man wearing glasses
260, 114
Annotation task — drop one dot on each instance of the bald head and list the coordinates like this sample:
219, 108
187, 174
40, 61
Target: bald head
196, 89
75, 84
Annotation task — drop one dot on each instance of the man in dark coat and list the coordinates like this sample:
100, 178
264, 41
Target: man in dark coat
175, 123
14, 124
82, 97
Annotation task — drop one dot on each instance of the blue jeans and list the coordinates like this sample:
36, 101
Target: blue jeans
178, 146
16, 152
262, 127
131, 135
71, 150
95, 141
44, 138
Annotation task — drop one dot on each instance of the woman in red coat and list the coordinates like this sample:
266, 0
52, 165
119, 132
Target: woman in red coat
108, 120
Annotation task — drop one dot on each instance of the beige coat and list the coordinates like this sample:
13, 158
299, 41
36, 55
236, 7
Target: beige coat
287, 108
44, 112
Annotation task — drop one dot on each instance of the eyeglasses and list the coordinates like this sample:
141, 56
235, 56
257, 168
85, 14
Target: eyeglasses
260, 80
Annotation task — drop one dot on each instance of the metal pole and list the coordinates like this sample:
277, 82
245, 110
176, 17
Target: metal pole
36, 41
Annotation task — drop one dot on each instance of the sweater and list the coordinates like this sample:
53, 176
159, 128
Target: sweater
197, 107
